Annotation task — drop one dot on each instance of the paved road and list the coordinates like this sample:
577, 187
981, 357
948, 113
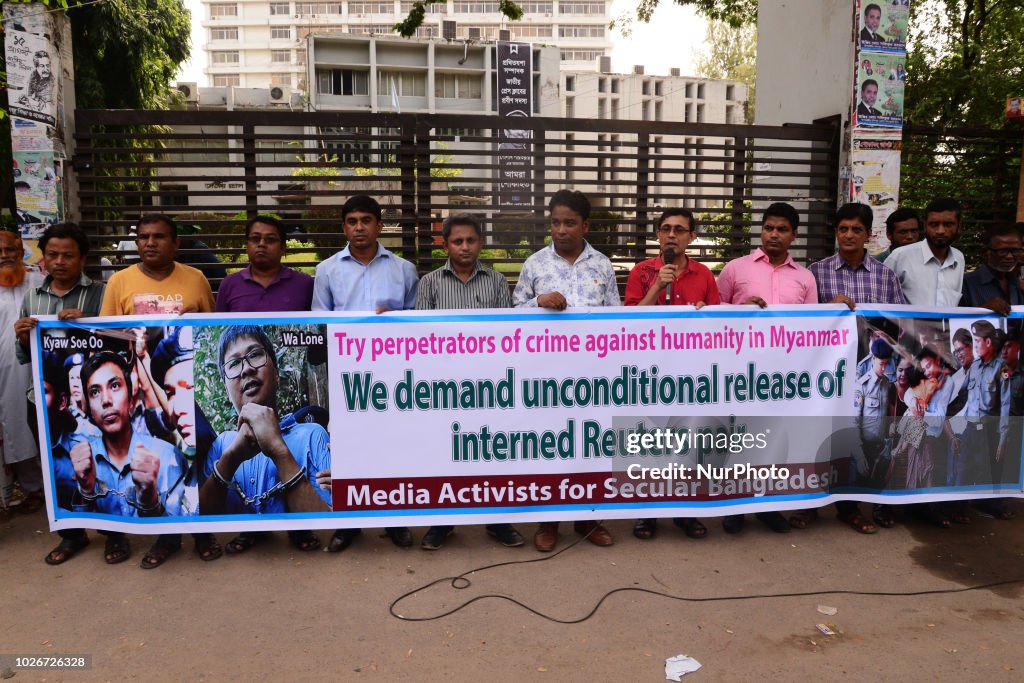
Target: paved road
277, 612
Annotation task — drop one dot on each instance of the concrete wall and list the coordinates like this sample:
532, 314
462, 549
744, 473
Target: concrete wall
805, 53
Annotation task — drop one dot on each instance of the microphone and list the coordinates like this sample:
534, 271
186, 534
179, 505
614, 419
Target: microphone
668, 257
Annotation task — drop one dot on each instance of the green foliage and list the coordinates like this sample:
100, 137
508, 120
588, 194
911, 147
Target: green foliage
301, 384
731, 54
734, 12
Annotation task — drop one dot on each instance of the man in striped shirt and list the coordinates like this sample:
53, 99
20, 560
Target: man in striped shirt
68, 293
463, 282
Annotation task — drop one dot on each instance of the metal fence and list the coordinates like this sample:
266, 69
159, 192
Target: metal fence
978, 167
216, 169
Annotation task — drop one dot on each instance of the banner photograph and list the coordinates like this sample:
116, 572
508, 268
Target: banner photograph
320, 420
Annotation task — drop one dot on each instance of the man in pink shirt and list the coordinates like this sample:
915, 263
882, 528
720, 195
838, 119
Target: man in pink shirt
768, 276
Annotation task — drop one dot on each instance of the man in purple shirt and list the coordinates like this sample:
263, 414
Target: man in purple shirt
266, 286
768, 276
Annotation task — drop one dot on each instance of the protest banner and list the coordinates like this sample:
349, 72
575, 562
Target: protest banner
327, 420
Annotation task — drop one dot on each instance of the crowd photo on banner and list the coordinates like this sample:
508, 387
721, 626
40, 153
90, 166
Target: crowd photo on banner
227, 415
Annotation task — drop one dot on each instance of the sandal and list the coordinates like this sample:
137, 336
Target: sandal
116, 550
859, 523
306, 541
242, 542
207, 547
802, 518
883, 516
158, 554
644, 529
33, 503
692, 526
66, 550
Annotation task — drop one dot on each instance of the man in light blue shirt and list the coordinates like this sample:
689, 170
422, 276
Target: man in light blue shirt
364, 276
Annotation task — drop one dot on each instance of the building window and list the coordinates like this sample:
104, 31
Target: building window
428, 31
602, 85
280, 34
730, 92
304, 31
306, 9
570, 145
581, 31
700, 113
452, 86
615, 86
224, 33
614, 109
537, 7
279, 9
280, 79
700, 91
657, 111
645, 110
406, 83
342, 82
281, 56
581, 55
658, 89
476, 7
437, 8
371, 8
570, 107
225, 57
602, 109
578, 7
645, 88
372, 29
224, 9
226, 80
532, 30
570, 83
688, 91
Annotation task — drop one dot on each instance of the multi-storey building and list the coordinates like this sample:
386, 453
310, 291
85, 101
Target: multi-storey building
262, 43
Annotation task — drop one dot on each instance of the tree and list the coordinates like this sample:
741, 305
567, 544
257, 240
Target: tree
731, 54
961, 61
734, 12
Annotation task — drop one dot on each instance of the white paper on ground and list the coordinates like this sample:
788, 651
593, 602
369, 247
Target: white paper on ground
678, 666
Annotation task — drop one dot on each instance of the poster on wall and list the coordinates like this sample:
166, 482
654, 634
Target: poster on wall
875, 181
33, 65
880, 84
515, 101
883, 25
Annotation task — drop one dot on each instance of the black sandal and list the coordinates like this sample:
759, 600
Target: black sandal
242, 542
158, 554
306, 541
116, 550
644, 529
692, 526
207, 547
67, 549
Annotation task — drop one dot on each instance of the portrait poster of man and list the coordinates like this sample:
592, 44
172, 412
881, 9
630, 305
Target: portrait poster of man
879, 92
882, 25
32, 73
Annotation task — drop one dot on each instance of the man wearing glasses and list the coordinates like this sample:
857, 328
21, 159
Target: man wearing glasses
269, 465
672, 278
265, 285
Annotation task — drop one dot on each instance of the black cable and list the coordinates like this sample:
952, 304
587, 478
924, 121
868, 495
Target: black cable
460, 582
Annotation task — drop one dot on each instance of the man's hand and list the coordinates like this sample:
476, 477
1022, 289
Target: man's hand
70, 314
997, 306
553, 300
843, 299
323, 479
22, 328
266, 429
757, 301
666, 275
382, 309
145, 470
243, 448
84, 466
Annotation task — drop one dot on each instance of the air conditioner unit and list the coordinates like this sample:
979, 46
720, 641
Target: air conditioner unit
448, 28
504, 35
189, 90
473, 33
281, 93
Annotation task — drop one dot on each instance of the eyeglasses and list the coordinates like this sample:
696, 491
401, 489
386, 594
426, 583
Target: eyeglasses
1007, 252
673, 230
256, 359
269, 240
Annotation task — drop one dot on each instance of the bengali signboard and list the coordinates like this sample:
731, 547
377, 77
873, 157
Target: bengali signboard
515, 101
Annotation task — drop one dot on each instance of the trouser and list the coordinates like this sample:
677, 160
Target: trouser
977, 455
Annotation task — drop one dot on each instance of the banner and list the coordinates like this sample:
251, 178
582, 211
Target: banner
314, 420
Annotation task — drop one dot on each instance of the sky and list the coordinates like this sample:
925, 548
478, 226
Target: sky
673, 38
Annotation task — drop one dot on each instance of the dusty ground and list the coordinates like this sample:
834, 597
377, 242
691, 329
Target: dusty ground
276, 612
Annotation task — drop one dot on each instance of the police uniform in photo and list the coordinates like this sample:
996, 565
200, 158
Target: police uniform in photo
873, 400
987, 410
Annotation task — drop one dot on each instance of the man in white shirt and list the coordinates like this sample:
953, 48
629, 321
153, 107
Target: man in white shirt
931, 272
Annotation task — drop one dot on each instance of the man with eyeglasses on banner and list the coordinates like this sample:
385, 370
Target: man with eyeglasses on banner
674, 279
266, 285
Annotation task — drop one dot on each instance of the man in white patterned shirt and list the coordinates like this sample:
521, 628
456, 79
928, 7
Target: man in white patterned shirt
567, 273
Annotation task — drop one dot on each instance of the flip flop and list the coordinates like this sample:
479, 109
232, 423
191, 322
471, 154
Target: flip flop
692, 526
207, 547
242, 542
305, 541
67, 549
